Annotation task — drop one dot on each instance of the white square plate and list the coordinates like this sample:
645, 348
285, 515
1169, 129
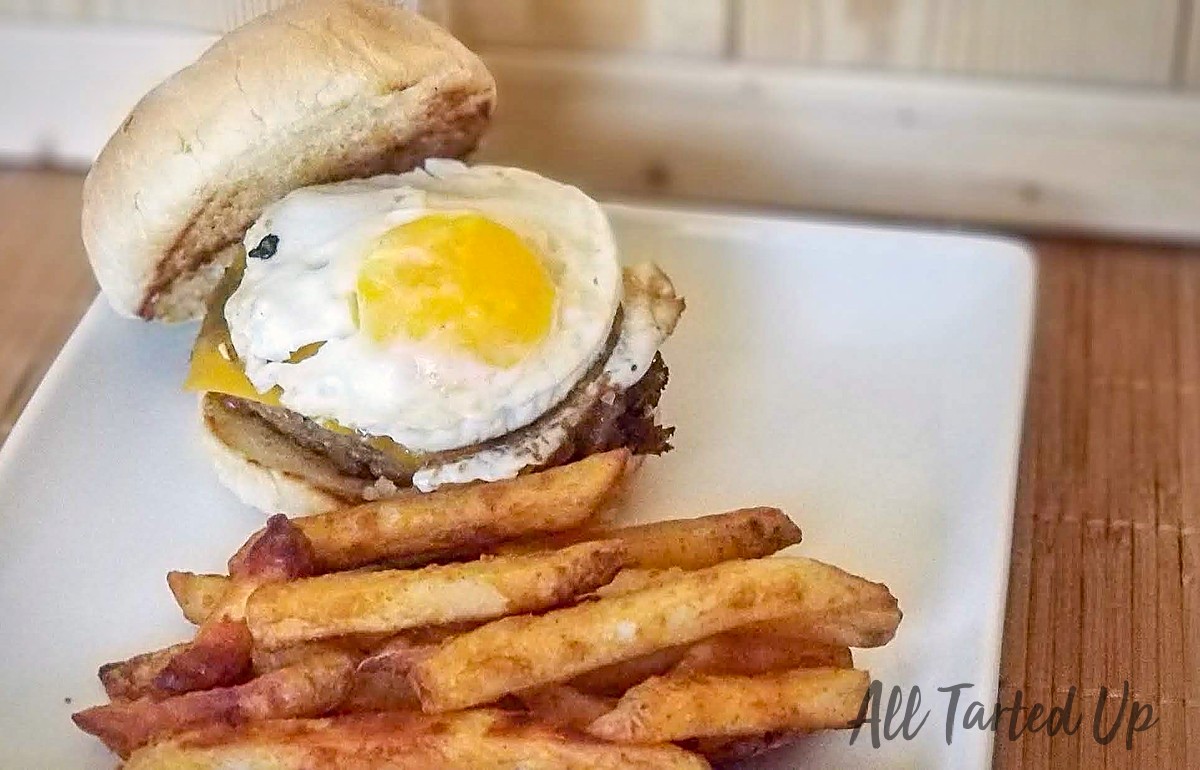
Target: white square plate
868, 380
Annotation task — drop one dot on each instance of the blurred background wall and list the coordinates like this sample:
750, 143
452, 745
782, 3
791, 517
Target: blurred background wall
1078, 115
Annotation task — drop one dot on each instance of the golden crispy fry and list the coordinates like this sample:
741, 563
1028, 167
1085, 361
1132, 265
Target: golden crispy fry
219, 656
746, 652
379, 690
463, 519
281, 551
676, 707
399, 654
517, 653
334, 605
615, 678
563, 706
266, 661
748, 533
635, 579
381, 680
197, 595
868, 627
308, 688
472, 740
725, 751
134, 678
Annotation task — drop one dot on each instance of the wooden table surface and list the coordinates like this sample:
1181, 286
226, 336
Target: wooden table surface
1105, 550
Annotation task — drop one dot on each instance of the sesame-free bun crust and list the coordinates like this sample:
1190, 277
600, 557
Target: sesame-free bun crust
267, 489
315, 92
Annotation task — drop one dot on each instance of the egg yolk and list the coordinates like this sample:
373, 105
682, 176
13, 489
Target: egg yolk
457, 279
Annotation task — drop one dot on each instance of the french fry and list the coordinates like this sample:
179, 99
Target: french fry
266, 661
199, 595
398, 654
746, 652
747, 533
220, 654
633, 579
677, 707
561, 705
392, 600
869, 627
215, 599
725, 751
134, 678
381, 680
196, 594
282, 551
470, 518
522, 652
374, 690
308, 688
615, 678
404, 741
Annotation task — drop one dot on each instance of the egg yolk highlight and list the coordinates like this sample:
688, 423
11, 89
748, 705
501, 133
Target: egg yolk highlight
459, 279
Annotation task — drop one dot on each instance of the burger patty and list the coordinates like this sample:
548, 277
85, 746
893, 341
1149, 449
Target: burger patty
617, 418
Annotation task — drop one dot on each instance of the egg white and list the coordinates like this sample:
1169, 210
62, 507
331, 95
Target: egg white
422, 396
643, 328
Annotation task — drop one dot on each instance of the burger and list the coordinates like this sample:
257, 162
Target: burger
378, 316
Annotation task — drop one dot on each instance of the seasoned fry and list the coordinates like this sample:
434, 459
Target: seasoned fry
724, 751
615, 678
676, 707
747, 533
873, 627
404, 741
134, 678
280, 552
308, 688
517, 653
563, 706
197, 595
266, 661
868, 627
399, 654
379, 690
393, 600
219, 656
746, 652
474, 517
381, 679
633, 579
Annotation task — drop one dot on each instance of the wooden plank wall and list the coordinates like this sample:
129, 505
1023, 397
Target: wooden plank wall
1189, 57
1112, 41
1136, 42
1081, 115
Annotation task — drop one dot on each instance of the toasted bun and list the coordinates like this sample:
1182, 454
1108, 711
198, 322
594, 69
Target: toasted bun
267, 489
315, 92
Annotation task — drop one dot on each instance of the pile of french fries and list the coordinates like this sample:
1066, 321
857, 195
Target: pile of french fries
499, 625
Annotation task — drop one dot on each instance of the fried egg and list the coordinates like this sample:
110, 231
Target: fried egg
441, 307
